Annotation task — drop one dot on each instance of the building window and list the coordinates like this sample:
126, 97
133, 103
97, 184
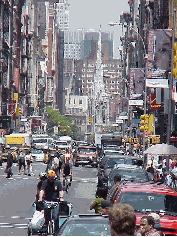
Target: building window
80, 101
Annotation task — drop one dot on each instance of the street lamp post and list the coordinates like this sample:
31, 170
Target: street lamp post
145, 57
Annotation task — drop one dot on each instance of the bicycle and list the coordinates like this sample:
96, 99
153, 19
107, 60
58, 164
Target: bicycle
36, 224
51, 224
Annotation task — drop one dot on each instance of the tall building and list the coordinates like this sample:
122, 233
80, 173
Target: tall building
73, 47
90, 45
62, 12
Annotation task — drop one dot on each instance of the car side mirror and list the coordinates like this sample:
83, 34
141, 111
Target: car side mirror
105, 203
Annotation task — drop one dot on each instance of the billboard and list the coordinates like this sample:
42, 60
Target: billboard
137, 83
159, 53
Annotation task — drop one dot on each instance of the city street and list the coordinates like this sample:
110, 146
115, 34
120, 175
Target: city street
18, 193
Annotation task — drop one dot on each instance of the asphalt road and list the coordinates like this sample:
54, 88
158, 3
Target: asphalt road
18, 193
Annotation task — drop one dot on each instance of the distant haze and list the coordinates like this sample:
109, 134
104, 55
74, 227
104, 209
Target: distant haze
90, 13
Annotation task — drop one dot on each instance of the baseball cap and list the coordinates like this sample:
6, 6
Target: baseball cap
51, 173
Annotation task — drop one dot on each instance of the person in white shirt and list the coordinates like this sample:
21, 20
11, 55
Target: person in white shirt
28, 159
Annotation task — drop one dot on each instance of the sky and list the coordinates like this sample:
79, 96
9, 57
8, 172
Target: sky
91, 13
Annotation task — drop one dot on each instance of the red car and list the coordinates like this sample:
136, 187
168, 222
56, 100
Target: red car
149, 198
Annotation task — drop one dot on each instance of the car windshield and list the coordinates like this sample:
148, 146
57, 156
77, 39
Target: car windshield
112, 161
149, 202
52, 151
111, 148
61, 143
110, 153
86, 229
37, 151
129, 174
40, 140
87, 150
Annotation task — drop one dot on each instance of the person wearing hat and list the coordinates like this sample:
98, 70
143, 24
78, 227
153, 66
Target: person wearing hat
51, 190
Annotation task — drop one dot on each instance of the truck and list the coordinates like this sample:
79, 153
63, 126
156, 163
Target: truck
86, 155
110, 139
18, 140
64, 142
41, 141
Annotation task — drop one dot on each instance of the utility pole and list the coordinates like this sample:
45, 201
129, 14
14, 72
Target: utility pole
170, 89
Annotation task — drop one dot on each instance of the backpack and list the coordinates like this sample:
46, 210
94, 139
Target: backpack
22, 158
66, 170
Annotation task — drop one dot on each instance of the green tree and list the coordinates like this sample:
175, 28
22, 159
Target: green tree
66, 127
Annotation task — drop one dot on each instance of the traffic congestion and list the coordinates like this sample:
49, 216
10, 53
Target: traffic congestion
119, 178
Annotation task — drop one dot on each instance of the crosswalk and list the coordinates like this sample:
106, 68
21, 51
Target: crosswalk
14, 225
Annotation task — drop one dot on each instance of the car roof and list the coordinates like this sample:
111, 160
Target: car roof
86, 217
89, 147
148, 188
123, 157
127, 167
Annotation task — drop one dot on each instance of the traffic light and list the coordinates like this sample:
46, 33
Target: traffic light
155, 139
18, 111
151, 124
136, 140
130, 140
90, 119
175, 60
144, 121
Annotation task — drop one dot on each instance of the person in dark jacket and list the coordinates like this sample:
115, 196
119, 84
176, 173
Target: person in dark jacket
67, 171
9, 164
49, 161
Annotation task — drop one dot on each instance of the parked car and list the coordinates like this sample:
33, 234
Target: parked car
85, 225
130, 173
117, 160
38, 155
149, 198
108, 154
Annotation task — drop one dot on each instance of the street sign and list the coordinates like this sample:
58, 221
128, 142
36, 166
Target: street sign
136, 102
119, 121
123, 117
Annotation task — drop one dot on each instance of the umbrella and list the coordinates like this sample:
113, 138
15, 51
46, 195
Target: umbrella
161, 149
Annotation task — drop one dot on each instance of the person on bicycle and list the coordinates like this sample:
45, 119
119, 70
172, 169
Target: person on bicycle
51, 190
42, 178
67, 171
58, 155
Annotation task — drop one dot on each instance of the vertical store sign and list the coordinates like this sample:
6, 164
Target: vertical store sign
136, 82
159, 53
16, 77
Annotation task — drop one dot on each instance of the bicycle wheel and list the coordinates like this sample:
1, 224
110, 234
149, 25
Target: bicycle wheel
50, 228
29, 232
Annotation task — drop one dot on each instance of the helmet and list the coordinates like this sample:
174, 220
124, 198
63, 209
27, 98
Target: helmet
43, 175
51, 173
